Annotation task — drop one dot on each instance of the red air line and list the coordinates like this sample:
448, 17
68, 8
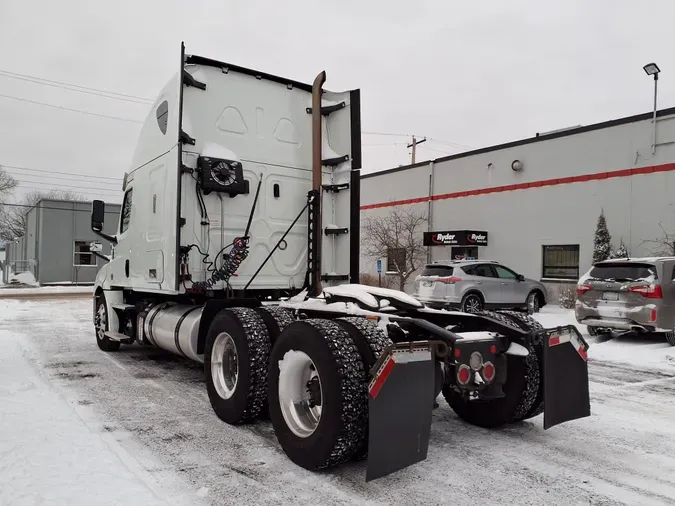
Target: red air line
524, 186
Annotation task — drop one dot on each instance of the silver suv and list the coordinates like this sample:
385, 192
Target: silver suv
635, 294
472, 285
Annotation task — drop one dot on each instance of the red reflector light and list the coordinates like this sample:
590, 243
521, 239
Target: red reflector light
582, 289
457, 353
652, 315
493, 349
449, 280
463, 374
650, 292
488, 371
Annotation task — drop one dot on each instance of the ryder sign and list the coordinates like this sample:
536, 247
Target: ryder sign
456, 238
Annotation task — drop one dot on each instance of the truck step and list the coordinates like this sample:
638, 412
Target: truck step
116, 336
122, 307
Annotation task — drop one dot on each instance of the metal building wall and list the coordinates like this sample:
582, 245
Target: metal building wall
60, 224
566, 180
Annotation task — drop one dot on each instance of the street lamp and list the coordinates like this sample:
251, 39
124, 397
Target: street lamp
652, 69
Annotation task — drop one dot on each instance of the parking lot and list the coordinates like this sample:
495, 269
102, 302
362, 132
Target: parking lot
150, 411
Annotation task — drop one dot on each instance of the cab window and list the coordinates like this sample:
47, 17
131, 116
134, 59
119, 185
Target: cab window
126, 211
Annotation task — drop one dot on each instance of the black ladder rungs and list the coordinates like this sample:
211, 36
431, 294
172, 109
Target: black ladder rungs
335, 277
336, 230
335, 187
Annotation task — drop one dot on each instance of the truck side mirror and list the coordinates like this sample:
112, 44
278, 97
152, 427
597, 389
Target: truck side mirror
97, 215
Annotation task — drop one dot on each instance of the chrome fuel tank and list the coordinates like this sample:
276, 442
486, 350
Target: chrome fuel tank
175, 328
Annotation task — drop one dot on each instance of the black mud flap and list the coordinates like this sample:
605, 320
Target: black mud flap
400, 403
565, 376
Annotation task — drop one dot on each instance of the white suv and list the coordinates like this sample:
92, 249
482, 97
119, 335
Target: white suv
474, 285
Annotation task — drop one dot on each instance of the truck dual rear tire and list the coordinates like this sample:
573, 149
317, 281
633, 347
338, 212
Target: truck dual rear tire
520, 390
317, 394
236, 355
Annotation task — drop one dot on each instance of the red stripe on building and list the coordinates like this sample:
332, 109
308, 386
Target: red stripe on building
667, 167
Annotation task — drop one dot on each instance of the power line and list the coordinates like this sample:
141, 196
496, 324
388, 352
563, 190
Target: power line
69, 109
116, 184
385, 133
17, 75
56, 172
440, 141
131, 100
453, 144
68, 186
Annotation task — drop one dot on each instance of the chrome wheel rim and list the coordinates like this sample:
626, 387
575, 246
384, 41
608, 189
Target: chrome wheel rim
101, 321
224, 365
472, 304
299, 391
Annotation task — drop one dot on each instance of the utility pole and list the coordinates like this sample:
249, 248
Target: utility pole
414, 144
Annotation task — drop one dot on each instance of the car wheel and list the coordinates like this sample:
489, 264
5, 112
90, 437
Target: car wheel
533, 303
670, 337
472, 303
592, 331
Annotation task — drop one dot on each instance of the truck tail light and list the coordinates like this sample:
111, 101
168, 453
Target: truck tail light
450, 280
488, 372
582, 289
648, 291
463, 374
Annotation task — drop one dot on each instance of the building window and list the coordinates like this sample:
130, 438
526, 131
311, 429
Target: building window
395, 256
126, 211
82, 256
561, 262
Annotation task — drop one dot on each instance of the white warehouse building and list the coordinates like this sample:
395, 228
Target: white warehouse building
533, 204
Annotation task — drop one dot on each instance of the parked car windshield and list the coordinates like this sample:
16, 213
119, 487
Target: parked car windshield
437, 270
623, 271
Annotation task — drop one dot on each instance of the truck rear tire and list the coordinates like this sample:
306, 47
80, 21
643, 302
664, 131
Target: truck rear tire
101, 326
520, 390
235, 364
276, 319
316, 361
538, 405
371, 341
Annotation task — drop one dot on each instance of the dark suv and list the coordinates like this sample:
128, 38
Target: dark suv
629, 294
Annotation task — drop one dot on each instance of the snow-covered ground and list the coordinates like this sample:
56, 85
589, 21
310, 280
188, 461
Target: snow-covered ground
79, 426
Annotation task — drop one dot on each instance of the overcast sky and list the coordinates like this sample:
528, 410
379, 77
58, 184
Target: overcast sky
466, 74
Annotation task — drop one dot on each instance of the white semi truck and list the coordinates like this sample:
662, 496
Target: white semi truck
238, 247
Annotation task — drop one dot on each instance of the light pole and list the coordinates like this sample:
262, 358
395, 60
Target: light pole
652, 69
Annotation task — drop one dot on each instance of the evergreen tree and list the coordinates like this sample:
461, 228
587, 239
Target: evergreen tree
622, 252
602, 244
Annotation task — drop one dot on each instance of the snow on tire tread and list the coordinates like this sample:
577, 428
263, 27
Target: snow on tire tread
354, 409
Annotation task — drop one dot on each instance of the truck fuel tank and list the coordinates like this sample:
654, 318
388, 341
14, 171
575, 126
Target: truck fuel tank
175, 328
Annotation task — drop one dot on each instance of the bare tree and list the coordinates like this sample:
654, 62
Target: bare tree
663, 245
7, 184
397, 238
13, 218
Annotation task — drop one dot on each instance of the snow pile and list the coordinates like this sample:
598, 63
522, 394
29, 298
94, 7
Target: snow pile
23, 278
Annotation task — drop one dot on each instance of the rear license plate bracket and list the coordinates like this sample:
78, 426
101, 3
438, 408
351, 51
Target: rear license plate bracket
610, 296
